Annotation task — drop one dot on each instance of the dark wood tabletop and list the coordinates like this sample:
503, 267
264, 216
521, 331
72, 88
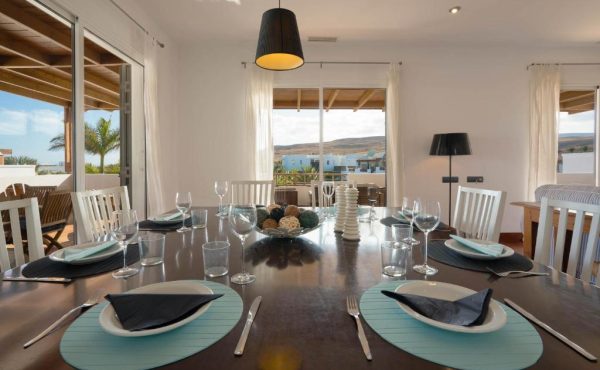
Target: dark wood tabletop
302, 322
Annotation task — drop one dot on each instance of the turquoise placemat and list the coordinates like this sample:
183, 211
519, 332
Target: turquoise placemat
516, 346
86, 346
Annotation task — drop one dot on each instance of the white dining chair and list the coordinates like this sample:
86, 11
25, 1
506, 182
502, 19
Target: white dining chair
255, 192
35, 243
551, 253
93, 210
478, 213
317, 198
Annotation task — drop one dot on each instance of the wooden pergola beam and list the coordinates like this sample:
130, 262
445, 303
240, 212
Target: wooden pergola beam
31, 94
299, 99
66, 84
567, 96
332, 99
576, 103
43, 88
23, 50
43, 29
368, 94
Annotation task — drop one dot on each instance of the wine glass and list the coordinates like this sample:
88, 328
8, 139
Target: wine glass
407, 213
124, 228
183, 203
328, 189
221, 188
373, 197
242, 219
426, 215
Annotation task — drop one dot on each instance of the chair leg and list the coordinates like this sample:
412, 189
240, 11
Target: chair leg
53, 241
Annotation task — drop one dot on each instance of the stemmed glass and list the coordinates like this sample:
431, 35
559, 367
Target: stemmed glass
242, 218
183, 203
427, 217
328, 189
221, 188
124, 228
407, 212
373, 197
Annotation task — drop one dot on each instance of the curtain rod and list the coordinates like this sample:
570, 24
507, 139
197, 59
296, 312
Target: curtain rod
162, 45
321, 63
566, 64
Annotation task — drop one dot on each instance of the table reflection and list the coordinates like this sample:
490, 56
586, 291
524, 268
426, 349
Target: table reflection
280, 253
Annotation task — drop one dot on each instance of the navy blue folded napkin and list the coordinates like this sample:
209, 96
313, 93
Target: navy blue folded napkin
149, 311
468, 311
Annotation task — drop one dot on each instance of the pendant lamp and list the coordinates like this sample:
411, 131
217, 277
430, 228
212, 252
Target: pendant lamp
279, 47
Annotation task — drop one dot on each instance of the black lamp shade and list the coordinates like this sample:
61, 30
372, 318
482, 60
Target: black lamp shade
279, 47
450, 144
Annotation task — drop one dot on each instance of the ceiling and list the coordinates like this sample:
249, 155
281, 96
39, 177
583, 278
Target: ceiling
481, 22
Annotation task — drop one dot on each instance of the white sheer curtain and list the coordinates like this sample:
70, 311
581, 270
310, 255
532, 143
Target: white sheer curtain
154, 182
544, 95
394, 159
259, 107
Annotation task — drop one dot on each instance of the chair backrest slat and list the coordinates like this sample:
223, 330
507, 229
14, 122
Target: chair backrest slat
317, 198
93, 210
34, 232
256, 192
545, 254
478, 213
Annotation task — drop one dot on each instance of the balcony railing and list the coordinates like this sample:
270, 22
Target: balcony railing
304, 178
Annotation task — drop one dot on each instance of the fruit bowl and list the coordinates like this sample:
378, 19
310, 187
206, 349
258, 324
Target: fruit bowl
282, 232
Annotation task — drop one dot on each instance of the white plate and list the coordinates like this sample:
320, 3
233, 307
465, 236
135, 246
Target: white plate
59, 255
110, 323
495, 319
472, 253
176, 220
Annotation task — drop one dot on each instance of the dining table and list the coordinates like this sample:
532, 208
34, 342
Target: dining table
302, 322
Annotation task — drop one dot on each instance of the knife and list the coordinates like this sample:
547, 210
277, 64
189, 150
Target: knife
38, 279
239, 349
546, 327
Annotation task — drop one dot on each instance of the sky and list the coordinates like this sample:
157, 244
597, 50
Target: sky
27, 126
293, 127
576, 123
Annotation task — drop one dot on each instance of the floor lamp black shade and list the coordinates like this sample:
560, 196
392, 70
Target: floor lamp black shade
279, 47
450, 144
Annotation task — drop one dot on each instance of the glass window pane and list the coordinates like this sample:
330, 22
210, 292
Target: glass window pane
296, 142
354, 136
36, 103
576, 132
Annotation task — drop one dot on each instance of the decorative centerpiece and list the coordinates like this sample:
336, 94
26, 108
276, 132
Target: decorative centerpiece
286, 222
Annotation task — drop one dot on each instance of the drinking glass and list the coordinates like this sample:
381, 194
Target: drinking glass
242, 219
221, 188
328, 189
373, 197
407, 212
124, 228
427, 217
183, 202
152, 249
401, 233
216, 258
199, 218
395, 258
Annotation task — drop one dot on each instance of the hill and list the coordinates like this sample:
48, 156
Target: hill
337, 147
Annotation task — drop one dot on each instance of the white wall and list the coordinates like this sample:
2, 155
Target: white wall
482, 91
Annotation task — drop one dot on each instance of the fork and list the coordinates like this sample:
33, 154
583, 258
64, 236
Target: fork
89, 303
353, 311
524, 273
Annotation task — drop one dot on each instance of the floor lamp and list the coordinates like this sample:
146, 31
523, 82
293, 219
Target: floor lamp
448, 145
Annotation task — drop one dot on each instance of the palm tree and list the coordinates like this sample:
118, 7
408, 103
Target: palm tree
99, 140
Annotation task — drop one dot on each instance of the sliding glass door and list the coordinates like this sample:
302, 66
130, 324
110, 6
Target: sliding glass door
328, 134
